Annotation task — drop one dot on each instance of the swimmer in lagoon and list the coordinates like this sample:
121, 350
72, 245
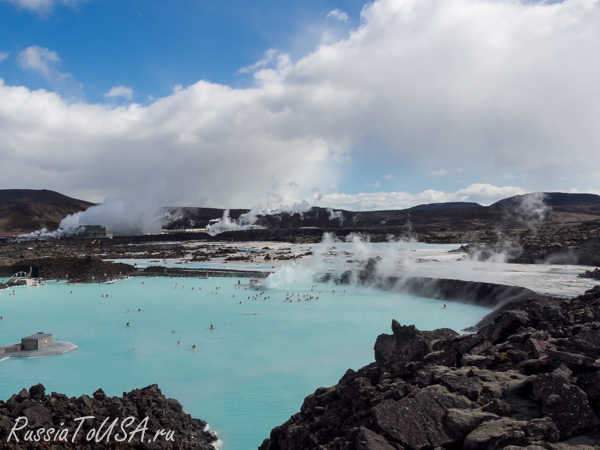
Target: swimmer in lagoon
193, 347
173, 331
178, 344
127, 324
127, 310
212, 328
445, 307
133, 349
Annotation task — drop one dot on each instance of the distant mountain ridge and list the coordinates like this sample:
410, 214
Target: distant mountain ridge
552, 199
448, 205
16, 196
558, 208
26, 210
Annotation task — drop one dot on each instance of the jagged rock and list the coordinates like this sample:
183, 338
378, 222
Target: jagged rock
570, 358
590, 384
538, 347
405, 345
481, 362
587, 343
577, 443
497, 407
505, 324
564, 403
416, 421
50, 411
446, 357
463, 421
595, 274
470, 387
37, 415
496, 434
37, 392
368, 440
544, 429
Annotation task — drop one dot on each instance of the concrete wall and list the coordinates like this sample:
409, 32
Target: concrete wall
11, 348
37, 341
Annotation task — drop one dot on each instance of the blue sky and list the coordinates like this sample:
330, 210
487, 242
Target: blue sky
153, 46
361, 106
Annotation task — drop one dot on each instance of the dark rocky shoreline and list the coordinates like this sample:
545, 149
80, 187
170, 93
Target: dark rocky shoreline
576, 244
77, 269
60, 412
529, 378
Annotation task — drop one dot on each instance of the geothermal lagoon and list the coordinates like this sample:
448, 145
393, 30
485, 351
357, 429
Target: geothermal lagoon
248, 375
264, 356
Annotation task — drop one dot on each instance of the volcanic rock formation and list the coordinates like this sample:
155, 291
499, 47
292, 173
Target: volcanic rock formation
59, 412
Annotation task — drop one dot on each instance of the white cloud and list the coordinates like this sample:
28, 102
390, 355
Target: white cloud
490, 86
438, 173
270, 56
41, 60
338, 15
120, 91
587, 191
377, 184
43, 6
484, 194
4, 56
388, 177
45, 62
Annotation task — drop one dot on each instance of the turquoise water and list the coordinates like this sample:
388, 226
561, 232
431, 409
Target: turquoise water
248, 375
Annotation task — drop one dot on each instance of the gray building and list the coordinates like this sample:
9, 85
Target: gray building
94, 231
36, 341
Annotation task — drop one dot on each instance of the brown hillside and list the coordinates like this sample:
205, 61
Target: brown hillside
26, 210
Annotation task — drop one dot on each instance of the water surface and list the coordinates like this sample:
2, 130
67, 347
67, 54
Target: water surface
248, 375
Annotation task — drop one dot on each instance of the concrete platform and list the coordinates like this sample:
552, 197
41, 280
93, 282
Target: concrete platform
57, 348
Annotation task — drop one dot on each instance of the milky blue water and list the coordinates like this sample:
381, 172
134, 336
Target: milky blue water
248, 375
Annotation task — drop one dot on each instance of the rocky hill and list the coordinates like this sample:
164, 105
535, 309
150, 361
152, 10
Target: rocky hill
53, 422
26, 210
525, 211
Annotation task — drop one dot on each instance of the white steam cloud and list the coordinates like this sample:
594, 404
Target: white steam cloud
141, 214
